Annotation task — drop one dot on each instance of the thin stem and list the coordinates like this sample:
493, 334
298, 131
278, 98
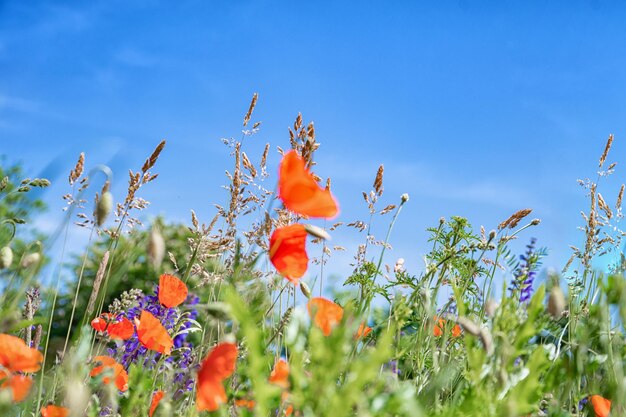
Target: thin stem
52, 308
80, 279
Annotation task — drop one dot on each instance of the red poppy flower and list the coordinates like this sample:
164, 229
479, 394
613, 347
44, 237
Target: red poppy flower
54, 411
325, 313
601, 406
152, 334
172, 291
363, 331
439, 326
217, 366
280, 374
16, 356
288, 252
300, 192
156, 399
120, 376
116, 329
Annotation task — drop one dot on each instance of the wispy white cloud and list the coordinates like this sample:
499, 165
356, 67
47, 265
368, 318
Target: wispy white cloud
18, 104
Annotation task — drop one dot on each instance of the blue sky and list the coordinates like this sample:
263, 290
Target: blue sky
475, 108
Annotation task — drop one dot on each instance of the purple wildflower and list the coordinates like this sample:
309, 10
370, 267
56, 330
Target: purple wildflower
393, 366
525, 273
132, 351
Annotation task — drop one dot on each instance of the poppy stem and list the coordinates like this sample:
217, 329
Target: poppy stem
276, 300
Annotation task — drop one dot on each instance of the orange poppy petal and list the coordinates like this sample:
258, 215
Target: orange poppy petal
456, 331
121, 378
288, 251
280, 374
99, 324
242, 402
18, 384
172, 291
217, 366
363, 331
122, 329
325, 313
219, 363
16, 356
300, 192
54, 411
119, 373
439, 325
601, 406
210, 394
156, 399
153, 335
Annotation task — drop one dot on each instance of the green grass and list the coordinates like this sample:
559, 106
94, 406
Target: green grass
538, 352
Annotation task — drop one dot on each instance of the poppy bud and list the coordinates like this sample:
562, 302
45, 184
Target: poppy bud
103, 207
77, 395
305, 289
6, 257
399, 266
165, 409
556, 302
6, 398
31, 259
156, 248
316, 231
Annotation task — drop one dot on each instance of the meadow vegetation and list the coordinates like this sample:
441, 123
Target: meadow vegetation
229, 316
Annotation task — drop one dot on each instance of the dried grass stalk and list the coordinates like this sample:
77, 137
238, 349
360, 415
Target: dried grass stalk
248, 115
248, 165
97, 282
604, 207
607, 148
514, 220
378, 182
153, 158
78, 169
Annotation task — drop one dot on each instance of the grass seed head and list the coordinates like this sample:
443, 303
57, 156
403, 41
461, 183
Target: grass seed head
156, 247
378, 181
78, 169
248, 115
153, 158
607, 148
556, 302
